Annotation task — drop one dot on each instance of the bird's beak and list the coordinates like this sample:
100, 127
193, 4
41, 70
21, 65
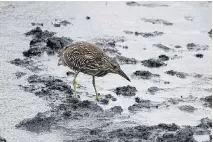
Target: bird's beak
121, 73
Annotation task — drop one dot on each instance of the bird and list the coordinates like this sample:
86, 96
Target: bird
89, 59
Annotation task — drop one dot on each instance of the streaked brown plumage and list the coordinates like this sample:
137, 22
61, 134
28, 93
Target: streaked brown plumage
89, 59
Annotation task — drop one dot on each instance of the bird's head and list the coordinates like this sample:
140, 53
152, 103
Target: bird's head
114, 67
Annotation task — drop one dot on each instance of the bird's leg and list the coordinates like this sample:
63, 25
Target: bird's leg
93, 82
74, 84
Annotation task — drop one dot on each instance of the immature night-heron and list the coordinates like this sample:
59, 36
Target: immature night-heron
89, 59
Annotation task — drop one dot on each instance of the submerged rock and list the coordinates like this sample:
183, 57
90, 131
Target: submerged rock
163, 57
196, 47
38, 33
205, 123
163, 47
150, 34
187, 108
132, 3
37, 24
182, 135
116, 109
27, 63
210, 33
199, 55
207, 100
150, 5
2, 139
125, 60
178, 74
20, 74
104, 101
56, 44
37, 124
142, 104
144, 74
157, 21
153, 90
145, 34
178, 46
36, 51
153, 63
126, 90
88, 18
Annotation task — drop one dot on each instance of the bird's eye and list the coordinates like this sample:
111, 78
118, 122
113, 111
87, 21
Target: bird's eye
115, 67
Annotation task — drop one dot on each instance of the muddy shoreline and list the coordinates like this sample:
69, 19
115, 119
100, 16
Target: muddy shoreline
169, 98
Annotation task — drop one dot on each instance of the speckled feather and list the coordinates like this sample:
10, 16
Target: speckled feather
85, 57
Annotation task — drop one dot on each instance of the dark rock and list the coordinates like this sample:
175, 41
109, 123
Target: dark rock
38, 33
178, 74
199, 55
126, 90
210, 33
205, 123
163, 58
166, 82
50, 88
95, 131
208, 101
104, 101
182, 135
111, 51
37, 124
153, 90
138, 132
114, 99
196, 47
56, 25
150, 5
110, 97
36, 51
153, 5
157, 21
178, 46
168, 127
37, 24
137, 100
87, 17
111, 43
125, 60
2, 139
69, 73
27, 63
36, 41
116, 109
153, 63
86, 105
132, 3
150, 34
125, 47
20, 74
187, 108
57, 43
142, 104
129, 32
144, 74
163, 47
65, 23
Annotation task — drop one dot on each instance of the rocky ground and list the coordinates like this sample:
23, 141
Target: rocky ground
168, 61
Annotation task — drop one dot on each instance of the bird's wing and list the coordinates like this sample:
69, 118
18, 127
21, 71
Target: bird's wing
81, 62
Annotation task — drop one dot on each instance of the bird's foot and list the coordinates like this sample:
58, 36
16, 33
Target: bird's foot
97, 97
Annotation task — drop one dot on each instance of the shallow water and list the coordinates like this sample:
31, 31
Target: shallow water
108, 19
